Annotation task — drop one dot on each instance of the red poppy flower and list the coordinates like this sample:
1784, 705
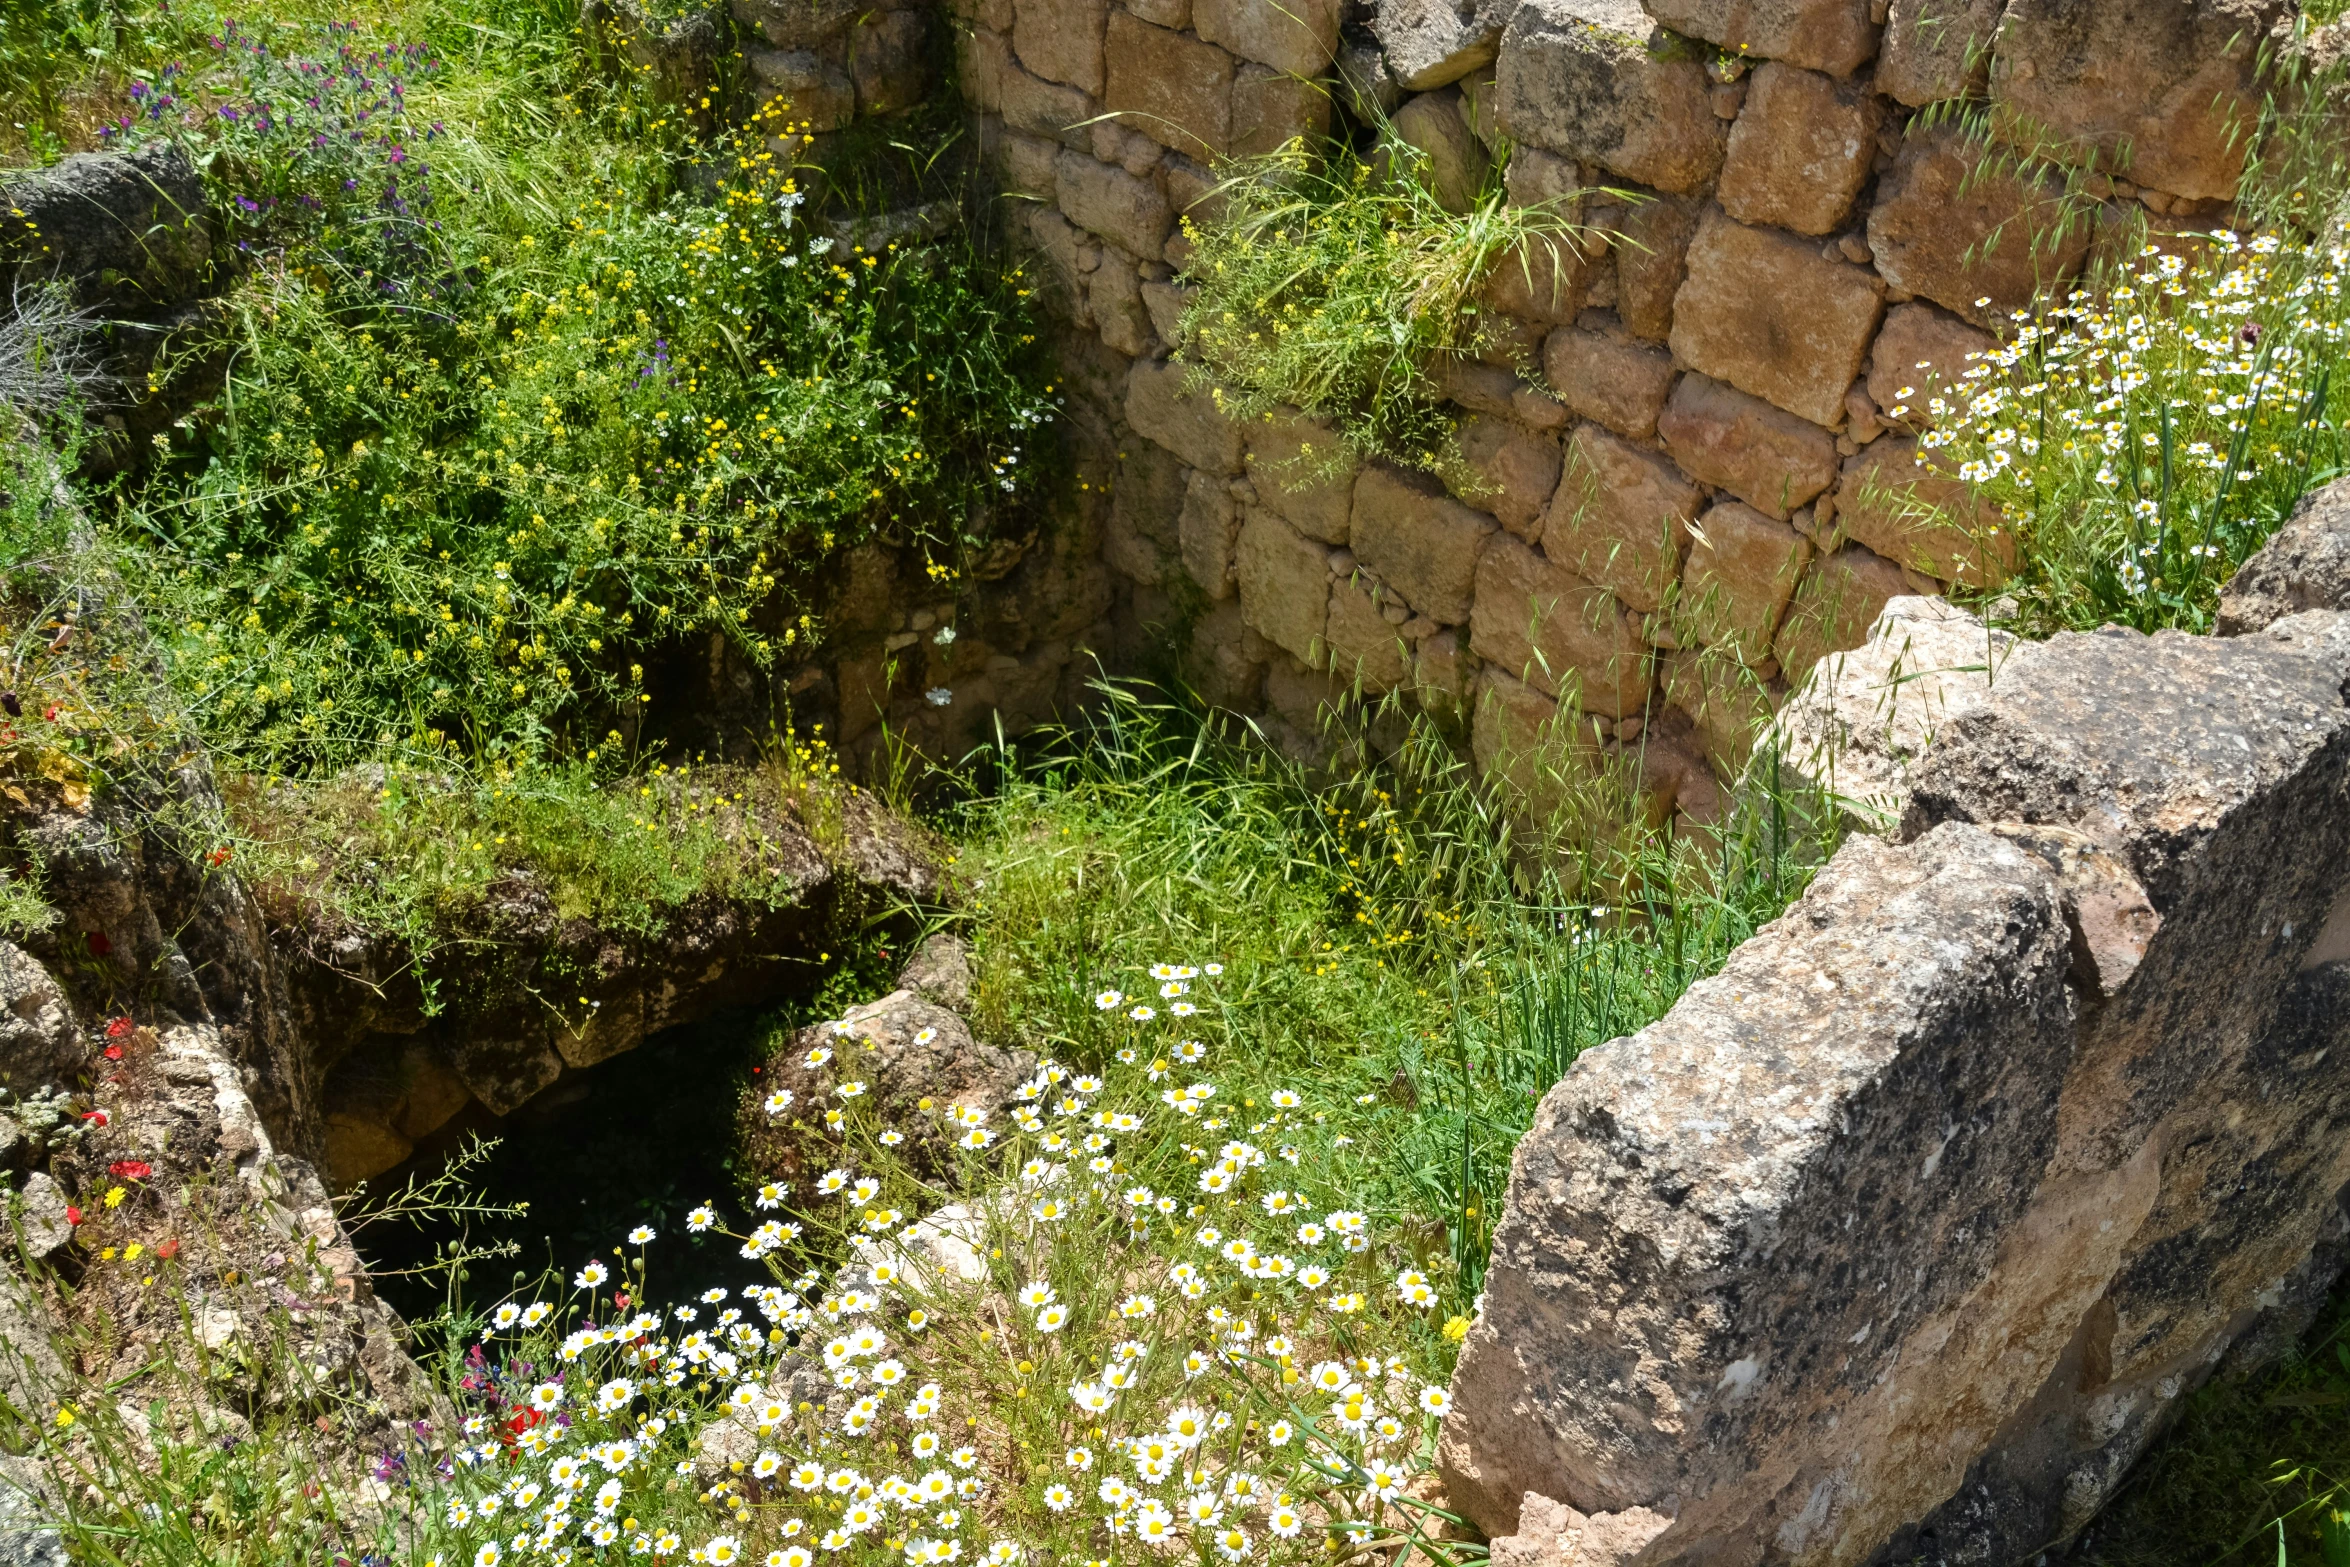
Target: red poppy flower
120, 1028
131, 1169
96, 1117
114, 1052
73, 1215
169, 1249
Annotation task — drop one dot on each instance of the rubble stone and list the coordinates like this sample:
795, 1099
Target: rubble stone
1112, 203
2304, 565
1170, 86
1187, 423
1835, 36
1298, 37
1921, 353
1304, 472
1937, 49
1061, 40
1652, 257
1517, 469
1835, 604
1433, 43
1360, 645
1284, 582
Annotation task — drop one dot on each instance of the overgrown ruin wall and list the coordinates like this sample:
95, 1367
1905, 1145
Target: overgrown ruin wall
1724, 455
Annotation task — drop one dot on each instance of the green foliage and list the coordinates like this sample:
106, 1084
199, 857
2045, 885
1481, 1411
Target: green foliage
1388, 939
1337, 284
507, 414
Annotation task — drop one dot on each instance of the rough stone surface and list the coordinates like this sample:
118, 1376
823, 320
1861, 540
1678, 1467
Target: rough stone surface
1359, 644
1608, 379
1543, 625
39, 1045
1434, 43
1865, 716
1299, 37
1186, 423
1113, 204
1937, 49
1767, 457
1452, 164
1835, 36
1834, 605
125, 229
1580, 77
1651, 259
1044, 108
1952, 226
1516, 471
1284, 584
1271, 108
1741, 569
2305, 565
1061, 40
1170, 86
1545, 278
1620, 517
1419, 539
1800, 149
1927, 522
1727, 704
2164, 94
1303, 471
1769, 314
818, 90
1207, 534
1921, 353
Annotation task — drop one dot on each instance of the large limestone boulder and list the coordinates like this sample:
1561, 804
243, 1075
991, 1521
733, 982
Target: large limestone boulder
2306, 565
1919, 1218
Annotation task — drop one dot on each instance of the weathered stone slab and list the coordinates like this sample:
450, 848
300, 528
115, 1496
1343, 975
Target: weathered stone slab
1585, 78
1608, 379
1284, 582
1187, 423
1835, 36
1170, 86
1865, 716
1303, 471
1432, 43
1741, 570
2305, 565
1359, 644
1652, 257
1112, 203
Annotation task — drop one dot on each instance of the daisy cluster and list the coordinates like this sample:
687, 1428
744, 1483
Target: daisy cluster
1154, 1323
2154, 417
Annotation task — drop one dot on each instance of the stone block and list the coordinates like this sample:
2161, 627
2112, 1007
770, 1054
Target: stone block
980, 58
1835, 36
1921, 353
1652, 257
1620, 517
1149, 491
1542, 624
1937, 49
1166, 303
1028, 163
1113, 296
1545, 278
1302, 470
1360, 646
1433, 43
1765, 456
1952, 226
1608, 379
886, 58
1516, 471
1061, 40
2305, 565
1769, 314
1284, 582
1175, 14
1511, 728
1112, 203
1584, 78
1187, 423
1833, 607
1221, 666
1728, 704
1297, 37
1422, 541
1452, 165
818, 90
1928, 522
1170, 86
1741, 569
1042, 108
1800, 150
1270, 110
2165, 95
1208, 532
1864, 717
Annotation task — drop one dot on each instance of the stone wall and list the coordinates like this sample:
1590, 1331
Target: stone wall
1903, 1237
1693, 453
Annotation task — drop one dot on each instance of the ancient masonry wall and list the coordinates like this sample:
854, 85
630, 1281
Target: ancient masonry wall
1723, 460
